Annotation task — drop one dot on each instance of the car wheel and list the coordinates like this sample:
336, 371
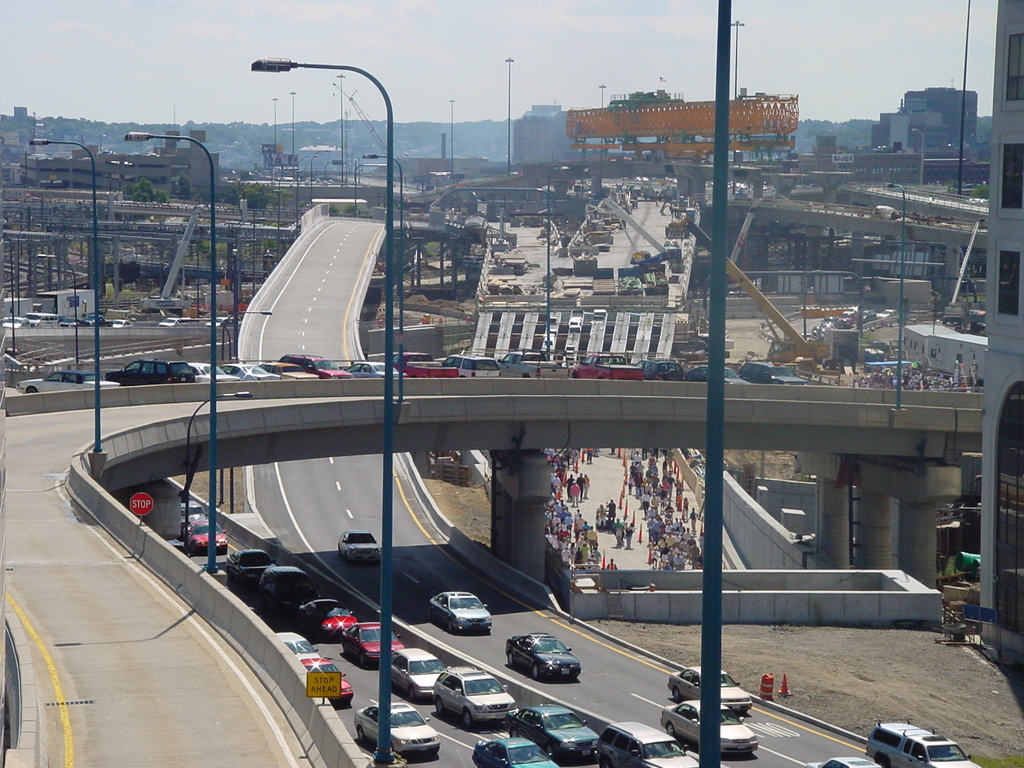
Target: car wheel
31, 390
670, 730
438, 706
360, 734
606, 763
410, 692
513, 732
364, 661
535, 671
510, 659
549, 750
575, 375
451, 626
526, 375
467, 719
882, 760
676, 695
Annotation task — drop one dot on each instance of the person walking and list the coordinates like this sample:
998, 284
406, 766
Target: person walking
618, 529
574, 493
628, 532
584, 483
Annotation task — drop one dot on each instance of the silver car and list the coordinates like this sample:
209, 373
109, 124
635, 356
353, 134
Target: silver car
414, 672
457, 611
63, 380
685, 684
359, 545
683, 722
409, 729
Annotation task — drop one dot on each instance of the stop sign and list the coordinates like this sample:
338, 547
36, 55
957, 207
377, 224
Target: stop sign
141, 504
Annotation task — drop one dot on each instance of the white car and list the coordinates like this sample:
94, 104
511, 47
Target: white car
249, 372
63, 380
409, 729
685, 684
120, 323
18, 322
414, 672
203, 373
845, 762
371, 369
683, 722
300, 646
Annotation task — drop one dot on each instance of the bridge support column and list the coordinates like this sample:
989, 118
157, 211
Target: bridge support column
834, 507
918, 541
874, 551
519, 495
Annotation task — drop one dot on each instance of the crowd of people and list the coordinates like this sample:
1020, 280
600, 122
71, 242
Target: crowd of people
662, 518
914, 378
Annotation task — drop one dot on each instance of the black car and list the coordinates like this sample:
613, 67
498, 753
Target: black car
324, 619
247, 565
557, 730
662, 370
283, 588
543, 654
757, 372
150, 371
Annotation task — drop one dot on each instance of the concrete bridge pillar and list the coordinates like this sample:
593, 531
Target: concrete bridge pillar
833, 504
875, 535
520, 493
918, 541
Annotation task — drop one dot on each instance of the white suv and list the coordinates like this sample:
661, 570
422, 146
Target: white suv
473, 694
901, 745
473, 366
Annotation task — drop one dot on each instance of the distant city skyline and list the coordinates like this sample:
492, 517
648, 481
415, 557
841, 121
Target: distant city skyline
173, 61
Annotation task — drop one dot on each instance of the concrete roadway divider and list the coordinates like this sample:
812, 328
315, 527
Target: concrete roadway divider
318, 727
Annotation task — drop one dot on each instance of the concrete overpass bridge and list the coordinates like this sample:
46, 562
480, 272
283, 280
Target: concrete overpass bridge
905, 454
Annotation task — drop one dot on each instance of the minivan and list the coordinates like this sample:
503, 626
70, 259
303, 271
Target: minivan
283, 588
635, 745
41, 318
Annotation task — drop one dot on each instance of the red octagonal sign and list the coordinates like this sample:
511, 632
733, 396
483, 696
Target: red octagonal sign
141, 504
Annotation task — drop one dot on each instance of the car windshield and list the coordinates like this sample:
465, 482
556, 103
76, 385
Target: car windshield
550, 645
663, 749
465, 604
945, 753
300, 646
482, 686
426, 667
727, 681
729, 718
258, 370
361, 538
783, 370
369, 635
325, 365
323, 667
562, 720
527, 753
204, 529
254, 558
405, 718
337, 611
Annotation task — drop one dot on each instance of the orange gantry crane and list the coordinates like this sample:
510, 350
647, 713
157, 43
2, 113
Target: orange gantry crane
662, 122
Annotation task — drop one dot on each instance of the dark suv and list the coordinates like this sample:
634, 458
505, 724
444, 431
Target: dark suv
153, 372
663, 370
318, 366
757, 372
284, 588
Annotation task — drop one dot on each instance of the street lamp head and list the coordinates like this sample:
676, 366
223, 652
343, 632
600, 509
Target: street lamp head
273, 65
137, 136
39, 142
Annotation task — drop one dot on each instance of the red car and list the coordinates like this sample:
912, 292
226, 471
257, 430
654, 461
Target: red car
323, 620
318, 366
197, 537
363, 642
326, 665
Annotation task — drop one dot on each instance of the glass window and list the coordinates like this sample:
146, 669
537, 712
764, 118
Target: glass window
1009, 282
1014, 68
1010, 513
1013, 176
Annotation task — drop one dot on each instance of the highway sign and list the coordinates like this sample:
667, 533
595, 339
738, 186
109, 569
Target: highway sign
141, 504
323, 684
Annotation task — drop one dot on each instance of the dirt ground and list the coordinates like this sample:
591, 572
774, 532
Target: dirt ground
847, 677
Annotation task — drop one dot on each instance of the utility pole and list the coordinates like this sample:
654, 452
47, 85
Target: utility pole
736, 61
510, 61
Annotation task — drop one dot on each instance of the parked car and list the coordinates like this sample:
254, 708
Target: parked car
59, 380
510, 753
247, 565
288, 371
700, 373
151, 371
685, 684
414, 671
460, 611
472, 694
360, 546
362, 642
557, 730
527, 364
283, 588
760, 372
202, 371
410, 733
249, 372
902, 745
473, 366
298, 645
683, 721
420, 365
606, 366
321, 367
661, 370
543, 654
324, 619
369, 369
326, 665
844, 762
177, 322
68, 321
635, 745
120, 323
197, 537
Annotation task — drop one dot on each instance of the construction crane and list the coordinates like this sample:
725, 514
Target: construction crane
682, 129
366, 122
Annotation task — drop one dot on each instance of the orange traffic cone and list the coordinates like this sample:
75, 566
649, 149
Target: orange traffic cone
784, 690
640, 535
650, 556
602, 562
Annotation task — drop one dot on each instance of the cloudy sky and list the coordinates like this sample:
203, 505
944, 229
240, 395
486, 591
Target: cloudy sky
155, 61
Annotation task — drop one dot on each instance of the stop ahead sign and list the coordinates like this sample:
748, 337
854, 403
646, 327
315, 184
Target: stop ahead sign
141, 504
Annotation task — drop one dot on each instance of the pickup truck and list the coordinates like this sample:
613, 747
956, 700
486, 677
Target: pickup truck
527, 365
607, 366
420, 365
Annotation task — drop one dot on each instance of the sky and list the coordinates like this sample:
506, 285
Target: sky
173, 61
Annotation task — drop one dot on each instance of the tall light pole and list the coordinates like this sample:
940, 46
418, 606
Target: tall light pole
510, 61
139, 136
602, 87
963, 107
275, 171
97, 447
547, 276
341, 122
736, 61
383, 753
311, 159
298, 181
293, 123
902, 308
451, 139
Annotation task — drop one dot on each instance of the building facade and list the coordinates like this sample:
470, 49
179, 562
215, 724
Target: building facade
539, 135
928, 121
1002, 585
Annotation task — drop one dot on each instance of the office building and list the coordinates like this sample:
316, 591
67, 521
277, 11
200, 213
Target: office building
539, 135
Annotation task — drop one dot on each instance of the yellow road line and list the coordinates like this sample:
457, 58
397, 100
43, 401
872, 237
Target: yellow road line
554, 619
58, 691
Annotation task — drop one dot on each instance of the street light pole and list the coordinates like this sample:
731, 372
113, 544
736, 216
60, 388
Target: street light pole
736, 61
383, 752
451, 140
547, 276
139, 136
311, 159
510, 61
97, 447
902, 308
